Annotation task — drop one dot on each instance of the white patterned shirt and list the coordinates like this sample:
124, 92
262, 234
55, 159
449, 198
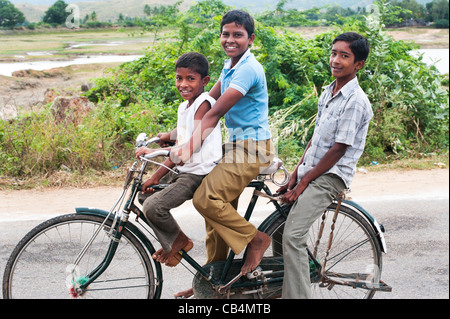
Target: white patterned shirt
343, 118
204, 160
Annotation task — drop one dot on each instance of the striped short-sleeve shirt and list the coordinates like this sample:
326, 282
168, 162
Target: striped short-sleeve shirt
342, 118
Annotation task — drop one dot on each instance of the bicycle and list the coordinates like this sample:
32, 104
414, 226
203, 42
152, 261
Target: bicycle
99, 254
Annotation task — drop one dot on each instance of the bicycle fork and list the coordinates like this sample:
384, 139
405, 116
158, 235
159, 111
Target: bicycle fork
80, 284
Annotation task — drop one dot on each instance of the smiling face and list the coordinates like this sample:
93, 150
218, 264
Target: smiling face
342, 62
190, 84
235, 41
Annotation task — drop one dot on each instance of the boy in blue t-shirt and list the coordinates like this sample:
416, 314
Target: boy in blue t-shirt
242, 98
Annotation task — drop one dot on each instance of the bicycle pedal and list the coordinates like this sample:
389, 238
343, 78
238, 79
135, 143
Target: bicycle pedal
222, 289
255, 273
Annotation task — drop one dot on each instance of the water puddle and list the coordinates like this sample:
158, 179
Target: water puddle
7, 69
88, 44
436, 57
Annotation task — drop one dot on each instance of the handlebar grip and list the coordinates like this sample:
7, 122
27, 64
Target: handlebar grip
158, 187
157, 153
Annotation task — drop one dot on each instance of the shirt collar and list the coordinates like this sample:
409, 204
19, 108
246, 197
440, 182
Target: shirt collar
346, 90
244, 57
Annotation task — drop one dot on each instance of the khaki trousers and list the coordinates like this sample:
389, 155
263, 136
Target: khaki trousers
217, 197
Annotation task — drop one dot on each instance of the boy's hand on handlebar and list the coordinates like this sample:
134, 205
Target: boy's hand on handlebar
146, 186
293, 193
142, 151
283, 189
164, 140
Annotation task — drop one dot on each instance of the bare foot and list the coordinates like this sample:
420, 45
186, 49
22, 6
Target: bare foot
157, 255
173, 258
184, 294
255, 252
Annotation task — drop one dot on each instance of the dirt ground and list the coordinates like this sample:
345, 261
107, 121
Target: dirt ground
29, 93
425, 37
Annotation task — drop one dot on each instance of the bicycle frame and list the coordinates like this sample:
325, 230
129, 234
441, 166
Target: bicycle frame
121, 222
116, 232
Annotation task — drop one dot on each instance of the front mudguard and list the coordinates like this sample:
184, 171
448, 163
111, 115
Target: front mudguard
135, 231
130, 226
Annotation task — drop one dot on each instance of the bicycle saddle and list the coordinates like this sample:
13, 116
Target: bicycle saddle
273, 167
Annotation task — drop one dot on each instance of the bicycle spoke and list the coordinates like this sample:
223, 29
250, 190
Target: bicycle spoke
52, 247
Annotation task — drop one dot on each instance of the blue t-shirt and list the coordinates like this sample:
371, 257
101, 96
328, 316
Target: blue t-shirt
248, 118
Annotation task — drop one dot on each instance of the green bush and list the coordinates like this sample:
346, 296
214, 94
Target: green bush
441, 23
410, 105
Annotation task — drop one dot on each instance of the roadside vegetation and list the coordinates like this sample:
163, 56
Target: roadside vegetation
409, 12
409, 99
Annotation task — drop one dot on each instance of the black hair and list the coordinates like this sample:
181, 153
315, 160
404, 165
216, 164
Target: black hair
239, 17
195, 61
358, 44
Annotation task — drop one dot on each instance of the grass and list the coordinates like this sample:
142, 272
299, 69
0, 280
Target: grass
57, 42
418, 162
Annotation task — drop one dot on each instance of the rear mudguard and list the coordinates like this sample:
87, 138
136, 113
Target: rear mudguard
379, 229
134, 230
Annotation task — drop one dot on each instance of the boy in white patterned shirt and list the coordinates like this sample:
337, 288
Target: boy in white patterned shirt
328, 164
191, 79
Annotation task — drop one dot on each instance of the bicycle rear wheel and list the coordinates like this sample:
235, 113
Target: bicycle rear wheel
41, 264
354, 259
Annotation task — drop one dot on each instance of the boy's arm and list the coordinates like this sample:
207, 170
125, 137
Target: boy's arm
198, 117
154, 179
226, 101
215, 91
329, 159
167, 139
293, 178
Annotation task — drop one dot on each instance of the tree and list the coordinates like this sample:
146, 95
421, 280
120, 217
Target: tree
56, 14
93, 16
438, 10
10, 15
412, 9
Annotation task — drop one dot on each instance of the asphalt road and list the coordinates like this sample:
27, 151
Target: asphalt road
417, 235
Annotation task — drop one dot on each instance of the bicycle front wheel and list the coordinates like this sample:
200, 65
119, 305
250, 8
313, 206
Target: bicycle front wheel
41, 265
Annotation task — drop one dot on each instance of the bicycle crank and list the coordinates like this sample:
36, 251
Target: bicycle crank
262, 283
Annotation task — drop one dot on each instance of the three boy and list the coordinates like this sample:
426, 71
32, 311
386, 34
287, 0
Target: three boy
326, 168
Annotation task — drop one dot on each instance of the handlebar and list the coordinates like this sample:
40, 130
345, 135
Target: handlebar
156, 154
141, 141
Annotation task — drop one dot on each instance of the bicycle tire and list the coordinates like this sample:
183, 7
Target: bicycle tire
352, 231
40, 265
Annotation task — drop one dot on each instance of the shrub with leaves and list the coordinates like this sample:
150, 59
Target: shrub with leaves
410, 105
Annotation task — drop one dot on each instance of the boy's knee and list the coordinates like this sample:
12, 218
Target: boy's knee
295, 237
199, 202
150, 211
